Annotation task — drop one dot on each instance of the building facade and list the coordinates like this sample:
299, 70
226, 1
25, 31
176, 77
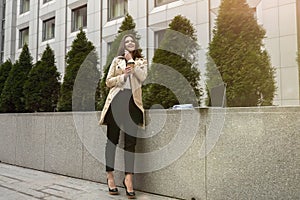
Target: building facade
54, 22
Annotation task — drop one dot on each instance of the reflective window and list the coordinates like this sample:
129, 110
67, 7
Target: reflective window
3, 24
79, 18
117, 8
24, 37
1, 57
3, 10
162, 2
24, 6
48, 29
109, 47
46, 1
158, 36
2, 43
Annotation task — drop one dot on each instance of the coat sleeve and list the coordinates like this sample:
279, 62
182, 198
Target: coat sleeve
112, 79
140, 70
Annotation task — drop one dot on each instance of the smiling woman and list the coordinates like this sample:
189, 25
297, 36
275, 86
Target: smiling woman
123, 109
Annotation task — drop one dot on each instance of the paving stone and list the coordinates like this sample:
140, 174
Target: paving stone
17, 183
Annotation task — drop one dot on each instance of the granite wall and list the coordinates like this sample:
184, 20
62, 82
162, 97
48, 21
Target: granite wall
232, 153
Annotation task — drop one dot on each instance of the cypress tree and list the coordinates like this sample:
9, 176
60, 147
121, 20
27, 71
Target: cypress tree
41, 89
237, 53
4, 72
178, 51
80, 49
85, 85
12, 97
126, 27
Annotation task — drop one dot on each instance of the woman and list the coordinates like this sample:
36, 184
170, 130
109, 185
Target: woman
123, 109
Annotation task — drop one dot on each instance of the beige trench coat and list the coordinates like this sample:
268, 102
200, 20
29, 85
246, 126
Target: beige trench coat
115, 81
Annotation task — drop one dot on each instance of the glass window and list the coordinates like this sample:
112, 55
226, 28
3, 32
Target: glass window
3, 10
49, 29
162, 2
24, 6
46, 1
117, 8
158, 36
109, 47
2, 43
79, 18
1, 57
3, 24
24, 37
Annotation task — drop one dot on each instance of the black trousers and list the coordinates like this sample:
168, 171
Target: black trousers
122, 115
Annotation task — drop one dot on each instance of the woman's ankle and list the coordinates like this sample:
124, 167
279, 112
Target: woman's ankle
128, 176
109, 175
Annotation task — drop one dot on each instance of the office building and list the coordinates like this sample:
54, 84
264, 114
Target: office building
56, 22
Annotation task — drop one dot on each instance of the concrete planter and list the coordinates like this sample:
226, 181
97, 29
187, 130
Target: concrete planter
232, 153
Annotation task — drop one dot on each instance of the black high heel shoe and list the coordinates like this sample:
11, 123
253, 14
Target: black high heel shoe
113, 191
130, 195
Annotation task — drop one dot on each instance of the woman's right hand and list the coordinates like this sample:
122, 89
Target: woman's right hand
127, 55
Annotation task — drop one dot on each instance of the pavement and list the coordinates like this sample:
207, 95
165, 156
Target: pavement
18, 183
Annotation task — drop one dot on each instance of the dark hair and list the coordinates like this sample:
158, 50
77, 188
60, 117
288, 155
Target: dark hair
136, 53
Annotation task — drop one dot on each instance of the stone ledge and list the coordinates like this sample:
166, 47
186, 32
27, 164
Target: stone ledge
254, 155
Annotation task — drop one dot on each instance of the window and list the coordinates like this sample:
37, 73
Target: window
109, 47
1, 57
3, 25
49, 29
2, 49
117, 8
2, 43
162, 2
3, 10
24, 6
46, 1
2, 32
24, 37
158, 36
79, 18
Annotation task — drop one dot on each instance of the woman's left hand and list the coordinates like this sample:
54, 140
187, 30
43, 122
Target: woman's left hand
128, 70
